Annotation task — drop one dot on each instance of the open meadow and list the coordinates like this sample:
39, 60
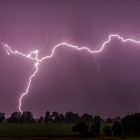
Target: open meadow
44, 132
33, 130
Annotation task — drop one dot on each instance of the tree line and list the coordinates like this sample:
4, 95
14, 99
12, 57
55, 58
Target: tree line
127, 126
54, 117
86, 124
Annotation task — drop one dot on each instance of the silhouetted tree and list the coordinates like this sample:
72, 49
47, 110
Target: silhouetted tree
41, 119
97, 119
55, 117
82, 128
95, 129
107, 130
71, 117
76, 118
2, 117
117, 119
48, 117
60, 118
14, 118
27, 117
131, 125
109, 120
117, 129
87, 118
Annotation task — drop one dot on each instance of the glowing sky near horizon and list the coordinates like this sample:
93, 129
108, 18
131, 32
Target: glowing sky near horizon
71, 80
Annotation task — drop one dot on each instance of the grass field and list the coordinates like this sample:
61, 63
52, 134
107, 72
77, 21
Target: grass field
62, 138
44, 132
30, 130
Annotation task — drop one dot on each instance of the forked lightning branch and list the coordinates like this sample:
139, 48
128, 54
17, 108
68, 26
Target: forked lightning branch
33, 55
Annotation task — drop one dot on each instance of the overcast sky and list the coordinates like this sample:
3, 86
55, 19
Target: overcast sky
106, 84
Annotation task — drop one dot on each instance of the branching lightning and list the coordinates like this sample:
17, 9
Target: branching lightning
33, 55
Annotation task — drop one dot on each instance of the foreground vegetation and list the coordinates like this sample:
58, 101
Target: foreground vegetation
63, 138
69, 126
47, 132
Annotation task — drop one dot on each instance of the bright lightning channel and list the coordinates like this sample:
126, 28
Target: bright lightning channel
33, 55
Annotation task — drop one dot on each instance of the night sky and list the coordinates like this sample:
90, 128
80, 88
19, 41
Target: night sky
107, 84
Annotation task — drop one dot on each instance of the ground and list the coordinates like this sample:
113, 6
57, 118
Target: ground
61, 138
44, 132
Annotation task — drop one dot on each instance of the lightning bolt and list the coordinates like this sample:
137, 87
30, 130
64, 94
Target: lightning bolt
33, 55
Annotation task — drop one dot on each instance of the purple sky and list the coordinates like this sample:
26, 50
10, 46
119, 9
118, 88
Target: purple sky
106, 85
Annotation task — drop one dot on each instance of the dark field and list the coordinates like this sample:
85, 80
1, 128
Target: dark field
37, 130
43, 132
61, 138
33, 130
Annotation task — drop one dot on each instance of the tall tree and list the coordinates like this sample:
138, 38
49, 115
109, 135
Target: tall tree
27, 117
87, 118
14, 118
117, 128
2, 117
